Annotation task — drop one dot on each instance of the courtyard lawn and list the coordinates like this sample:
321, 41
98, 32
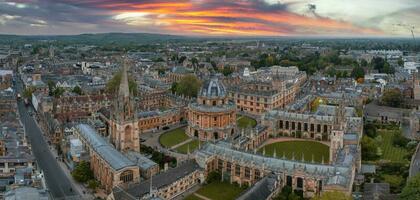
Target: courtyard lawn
307, 148
389, 151
192, 197
173, 137
244, 121
184, 148
220, 190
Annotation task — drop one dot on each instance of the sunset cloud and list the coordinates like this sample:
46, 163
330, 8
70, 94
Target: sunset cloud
210, 17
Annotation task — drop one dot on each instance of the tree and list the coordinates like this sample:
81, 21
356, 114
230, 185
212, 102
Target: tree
400, 141
363, 63
411, 190
400, 61
370, 130
369, 148
358, 72
82, 172
227, 71
58, 91
382, 65
113, 85
92, 184
27, 93
392, 98
188, 86
333, 196
77, 90
181, 60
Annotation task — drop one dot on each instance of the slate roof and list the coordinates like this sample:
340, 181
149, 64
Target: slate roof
113, 157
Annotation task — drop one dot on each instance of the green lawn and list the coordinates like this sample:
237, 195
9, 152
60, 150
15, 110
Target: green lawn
244, 121
389, 151
184, 148
308, 148
220, 190
192, 197
173, 137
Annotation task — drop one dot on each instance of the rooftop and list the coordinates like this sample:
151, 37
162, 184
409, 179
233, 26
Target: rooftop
113, 157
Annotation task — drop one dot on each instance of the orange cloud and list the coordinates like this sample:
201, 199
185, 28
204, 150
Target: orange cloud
208, 17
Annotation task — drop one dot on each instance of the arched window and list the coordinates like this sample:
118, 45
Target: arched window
216, 135
126, 176
127, 132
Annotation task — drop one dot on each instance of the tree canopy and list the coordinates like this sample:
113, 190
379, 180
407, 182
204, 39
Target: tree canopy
358, 72
82, 172
113, 85
188, 86
382, 65
392, 98
411, 190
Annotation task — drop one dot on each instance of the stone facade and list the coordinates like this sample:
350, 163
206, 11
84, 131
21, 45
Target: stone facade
212, 117
124, 129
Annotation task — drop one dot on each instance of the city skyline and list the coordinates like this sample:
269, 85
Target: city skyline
359, 18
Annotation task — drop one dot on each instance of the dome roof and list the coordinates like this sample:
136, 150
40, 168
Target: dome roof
213, 88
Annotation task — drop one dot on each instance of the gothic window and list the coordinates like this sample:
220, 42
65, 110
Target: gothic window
237, 170
325, 128
289, 181
287, 124
312, 127
216, 135
247, 172
305, 127
299, 183
318, 128
127, 132
126, 176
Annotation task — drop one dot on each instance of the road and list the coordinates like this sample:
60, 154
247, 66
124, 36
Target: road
415, 163
58, 183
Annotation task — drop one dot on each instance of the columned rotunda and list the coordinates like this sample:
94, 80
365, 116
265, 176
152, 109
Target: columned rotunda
212, 117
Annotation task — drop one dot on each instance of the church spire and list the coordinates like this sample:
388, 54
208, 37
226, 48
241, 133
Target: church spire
124, 90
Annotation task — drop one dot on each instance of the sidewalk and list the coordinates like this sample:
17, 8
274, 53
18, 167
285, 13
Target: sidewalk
79, 187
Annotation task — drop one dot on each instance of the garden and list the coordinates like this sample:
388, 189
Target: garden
386, 147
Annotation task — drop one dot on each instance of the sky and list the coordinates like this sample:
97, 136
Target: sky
354, 18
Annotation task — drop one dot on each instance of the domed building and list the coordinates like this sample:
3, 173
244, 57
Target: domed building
212, 117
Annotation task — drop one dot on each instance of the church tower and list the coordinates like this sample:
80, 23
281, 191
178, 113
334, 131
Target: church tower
123, 124
337, 133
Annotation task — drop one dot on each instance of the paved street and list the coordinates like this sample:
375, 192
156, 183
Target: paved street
58, 183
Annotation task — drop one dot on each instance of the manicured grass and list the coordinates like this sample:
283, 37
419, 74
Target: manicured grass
184, 148
220, 190
192, 197
389, 151
307, 148
173, 137
244, 121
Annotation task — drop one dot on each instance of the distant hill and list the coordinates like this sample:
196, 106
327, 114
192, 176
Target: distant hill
94, 39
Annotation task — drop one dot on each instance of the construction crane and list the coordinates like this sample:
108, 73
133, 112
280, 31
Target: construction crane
409, 27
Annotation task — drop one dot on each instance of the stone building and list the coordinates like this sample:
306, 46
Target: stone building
110, 167
123, 126
318, 125
247, 168
265, 90
213, 116
167, 185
